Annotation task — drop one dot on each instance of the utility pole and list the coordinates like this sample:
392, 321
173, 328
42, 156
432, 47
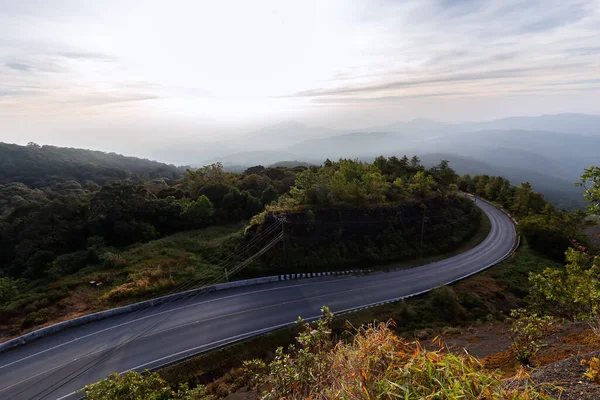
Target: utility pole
282, 219
226, 275
425, 219
284, 246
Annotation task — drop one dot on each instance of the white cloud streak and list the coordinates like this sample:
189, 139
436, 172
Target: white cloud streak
336, 62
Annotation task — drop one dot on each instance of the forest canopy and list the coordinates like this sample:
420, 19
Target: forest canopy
57, 205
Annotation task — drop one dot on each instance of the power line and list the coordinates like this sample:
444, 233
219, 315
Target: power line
182, 288
110, 352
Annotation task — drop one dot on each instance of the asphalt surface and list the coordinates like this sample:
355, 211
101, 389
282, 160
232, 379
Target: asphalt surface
56, 366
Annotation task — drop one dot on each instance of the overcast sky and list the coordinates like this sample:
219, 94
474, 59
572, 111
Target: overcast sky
125, 73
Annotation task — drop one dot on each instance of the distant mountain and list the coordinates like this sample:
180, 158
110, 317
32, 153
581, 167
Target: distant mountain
584, 124
39, 166
291, 164
549, 151
251, 158
413, 127
550, 161
562, 192
349, 145
282, 135
295, 137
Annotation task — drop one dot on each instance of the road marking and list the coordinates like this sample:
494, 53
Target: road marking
264, 330
470, 258
278, 305
226, 298
446, 261
168, 311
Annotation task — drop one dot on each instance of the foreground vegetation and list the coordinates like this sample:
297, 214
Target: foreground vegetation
370, 362
374, 362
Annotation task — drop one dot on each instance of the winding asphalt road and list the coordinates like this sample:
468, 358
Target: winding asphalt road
56, 366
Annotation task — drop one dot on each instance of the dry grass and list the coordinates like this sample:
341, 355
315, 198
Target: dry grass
377, 364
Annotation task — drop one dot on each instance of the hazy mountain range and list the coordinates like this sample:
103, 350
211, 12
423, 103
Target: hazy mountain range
549, 151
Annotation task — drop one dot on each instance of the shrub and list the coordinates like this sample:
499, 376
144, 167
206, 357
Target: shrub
112, 260
446, 303
527, 333
593, 371
573, 293
135, 386
8, 290
71, 262
377, 364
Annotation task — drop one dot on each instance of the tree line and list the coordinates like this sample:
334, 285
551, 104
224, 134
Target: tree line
56, 229
547, 229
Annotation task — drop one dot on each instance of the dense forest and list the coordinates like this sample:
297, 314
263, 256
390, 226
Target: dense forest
42, 166
344, 213
55, 229
50, 221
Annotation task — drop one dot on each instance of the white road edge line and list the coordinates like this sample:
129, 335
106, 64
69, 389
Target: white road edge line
340, 312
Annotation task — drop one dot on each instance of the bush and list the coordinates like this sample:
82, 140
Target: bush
135, 386
447, 304
8, 290
593, 371
573, 293
527, 334
72, 262
377, 364
112, 260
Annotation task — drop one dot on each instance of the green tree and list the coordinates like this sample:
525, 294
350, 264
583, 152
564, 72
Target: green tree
269, 195
445, 175
400, 188
590, 180
466, 184
415, 161
422, 184
194, 180
481, 184
199, 211
492, 188
572, 293
505, 194
8, 290
522, 198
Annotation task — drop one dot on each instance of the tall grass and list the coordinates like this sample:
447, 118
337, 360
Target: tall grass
376, 364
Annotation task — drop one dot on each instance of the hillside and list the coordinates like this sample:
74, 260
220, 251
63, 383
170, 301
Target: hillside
40, 166
143, 239
583, 124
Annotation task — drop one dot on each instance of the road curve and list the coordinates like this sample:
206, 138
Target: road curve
56, 366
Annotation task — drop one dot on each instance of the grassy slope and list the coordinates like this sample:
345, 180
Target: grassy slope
147, 270
135, 273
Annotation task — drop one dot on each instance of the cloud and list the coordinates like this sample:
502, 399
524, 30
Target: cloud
12, 92
465, 46
327, 58
101, 99
81, 55
18, 66
384, 99
453, 78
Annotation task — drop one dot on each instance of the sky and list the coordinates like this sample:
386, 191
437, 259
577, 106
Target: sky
126, 75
